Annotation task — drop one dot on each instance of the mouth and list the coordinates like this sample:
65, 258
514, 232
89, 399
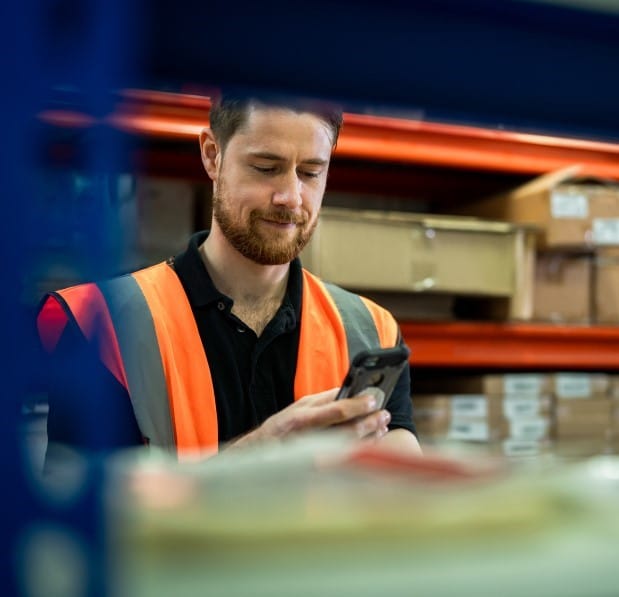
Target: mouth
282, 225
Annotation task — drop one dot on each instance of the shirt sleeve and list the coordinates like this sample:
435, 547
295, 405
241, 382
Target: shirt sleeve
88, 408
400, 403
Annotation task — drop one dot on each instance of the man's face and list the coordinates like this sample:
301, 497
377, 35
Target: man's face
270, 182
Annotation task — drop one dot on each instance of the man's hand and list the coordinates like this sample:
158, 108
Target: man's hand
319, 411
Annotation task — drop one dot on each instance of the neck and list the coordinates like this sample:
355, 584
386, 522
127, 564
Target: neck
243, 280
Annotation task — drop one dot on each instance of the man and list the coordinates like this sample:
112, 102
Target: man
230, 342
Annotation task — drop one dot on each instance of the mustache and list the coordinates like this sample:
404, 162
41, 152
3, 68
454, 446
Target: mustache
279, 215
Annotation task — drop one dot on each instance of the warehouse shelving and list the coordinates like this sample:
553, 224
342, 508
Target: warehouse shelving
524, 346
178, 117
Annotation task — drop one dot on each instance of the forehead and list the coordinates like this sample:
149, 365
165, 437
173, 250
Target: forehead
284, 129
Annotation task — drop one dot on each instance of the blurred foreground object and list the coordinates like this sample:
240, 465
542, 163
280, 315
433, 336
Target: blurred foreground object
301, 521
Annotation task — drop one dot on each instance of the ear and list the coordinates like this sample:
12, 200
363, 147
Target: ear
211, 155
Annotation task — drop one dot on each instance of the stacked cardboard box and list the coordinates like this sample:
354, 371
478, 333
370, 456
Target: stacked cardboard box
577, 265
614, 397
576, 414
163, 213
606, 286
570, 211
509, 413
562, 287
584, 413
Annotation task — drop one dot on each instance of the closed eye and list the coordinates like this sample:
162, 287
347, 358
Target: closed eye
309, 174
264, 169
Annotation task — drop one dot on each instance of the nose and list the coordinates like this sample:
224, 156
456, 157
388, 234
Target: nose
288, 193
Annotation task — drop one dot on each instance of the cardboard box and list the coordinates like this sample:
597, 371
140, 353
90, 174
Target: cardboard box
165, 213
584, 418
477, 406
480, 418
414, 305
572, 211
517, 407
157, 219
562, 287
580, 385
405, 252
431, 415
578, 447
473, 418
606, 286
613, 389
529, 428
436, 414
512, 384
521, 448
475, 430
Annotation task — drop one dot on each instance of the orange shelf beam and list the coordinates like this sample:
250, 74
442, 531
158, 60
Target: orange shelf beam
377, 138
512, 345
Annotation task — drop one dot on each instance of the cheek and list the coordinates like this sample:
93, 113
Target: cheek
313, 199
251, 190
246, 194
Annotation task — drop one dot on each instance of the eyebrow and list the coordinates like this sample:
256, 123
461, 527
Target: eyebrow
265, 155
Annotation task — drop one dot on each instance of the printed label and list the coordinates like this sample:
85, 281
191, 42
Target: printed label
521, 406
528, 385
569, 205
472, 405
476, 431
518, 447
528, 428
572, 385
605, 231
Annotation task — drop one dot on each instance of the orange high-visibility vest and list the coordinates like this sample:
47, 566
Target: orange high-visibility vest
145, 333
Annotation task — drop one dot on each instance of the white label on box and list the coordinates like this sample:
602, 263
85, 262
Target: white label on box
521, 406
472, 405
605, 231
519, 447
536, 428
572, 385
528, 385
569, 205
477, 431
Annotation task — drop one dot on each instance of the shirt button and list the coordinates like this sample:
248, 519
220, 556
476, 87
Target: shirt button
240, 329
221, 306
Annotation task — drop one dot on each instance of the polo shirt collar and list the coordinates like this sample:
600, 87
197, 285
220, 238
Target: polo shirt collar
199, 286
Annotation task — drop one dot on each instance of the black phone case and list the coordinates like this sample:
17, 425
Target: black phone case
375, 372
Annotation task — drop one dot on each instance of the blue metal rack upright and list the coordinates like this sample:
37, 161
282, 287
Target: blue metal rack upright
53, 542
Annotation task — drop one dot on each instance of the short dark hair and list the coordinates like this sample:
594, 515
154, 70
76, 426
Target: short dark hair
229, 112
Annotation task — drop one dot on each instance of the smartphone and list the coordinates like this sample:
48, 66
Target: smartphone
375, 372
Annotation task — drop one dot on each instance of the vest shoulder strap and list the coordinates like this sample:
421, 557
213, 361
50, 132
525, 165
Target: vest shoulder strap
335, 325
360, 328
137, 339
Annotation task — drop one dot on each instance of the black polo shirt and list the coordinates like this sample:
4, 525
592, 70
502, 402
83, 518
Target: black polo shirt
253, 376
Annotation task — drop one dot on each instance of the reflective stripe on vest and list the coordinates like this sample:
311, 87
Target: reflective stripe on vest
150, 326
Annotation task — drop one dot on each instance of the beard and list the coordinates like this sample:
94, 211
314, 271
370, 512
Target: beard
253, 242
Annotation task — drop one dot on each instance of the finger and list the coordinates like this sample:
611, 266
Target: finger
321, 397
373, 424
350, 409
333, 413
380, 433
